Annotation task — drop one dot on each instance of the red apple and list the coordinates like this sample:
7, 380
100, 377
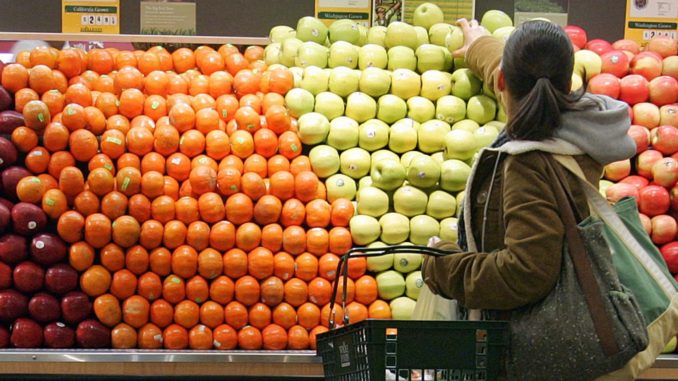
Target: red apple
28, 277
61, 278
670, 66
664, 229
606, 84
653, 200
616, 192
634, 89
645, 161
598, 46
646, 222
8, 153
577, 35
75, 307
10, 178
665, 139
627, 45
92, 334
665, 172
641, 136
5, 276
670, 254
12, 305
617, 170
26, 333
647, 64
646, 114
5, 217
44, 308
674, 198
615, 62
668, 115
48, 249
6, 202
28, 219
13, 249
58, 335
4, 337
663, 90
664, 46
639, 182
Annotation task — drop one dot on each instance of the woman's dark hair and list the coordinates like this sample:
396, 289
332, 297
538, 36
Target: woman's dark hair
537, 63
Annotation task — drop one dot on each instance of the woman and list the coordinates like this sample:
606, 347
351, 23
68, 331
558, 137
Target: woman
512, 235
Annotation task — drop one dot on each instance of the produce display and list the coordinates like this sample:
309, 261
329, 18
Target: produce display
201, 199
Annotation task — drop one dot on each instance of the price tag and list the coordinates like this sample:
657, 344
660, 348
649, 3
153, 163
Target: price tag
91, 16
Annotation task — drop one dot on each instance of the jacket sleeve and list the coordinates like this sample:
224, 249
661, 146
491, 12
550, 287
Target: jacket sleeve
529, 267
483, 57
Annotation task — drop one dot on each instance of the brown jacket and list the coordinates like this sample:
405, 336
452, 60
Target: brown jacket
514, 231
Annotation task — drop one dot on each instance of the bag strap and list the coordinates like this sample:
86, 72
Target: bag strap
600, 207
582, 264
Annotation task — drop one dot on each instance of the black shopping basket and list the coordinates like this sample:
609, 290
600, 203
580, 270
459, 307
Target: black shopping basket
382, 350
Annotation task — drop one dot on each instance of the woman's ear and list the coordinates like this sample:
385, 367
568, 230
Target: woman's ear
501, 83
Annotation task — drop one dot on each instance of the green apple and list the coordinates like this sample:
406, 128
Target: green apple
501, 114
311, 54
372, 55
460, 201
299, 102
391, 108
450, 109
390, 285
485, 136
407, 157
438, 32
340, 186
372, 201
311, 29
495, 19
343, 81
435, 84
379, 263
355, 162
422, 36
324, 160
577, 82
343, 133
427, 14
383, 154
430, 57
364, 182
402, 308
344, 30
587, 64
400, 34
407, 262
420, 109
413, 284
460, 145
449, 229
402, 136
430, 135
441, 205
423, 172
272, 53
297, 73
465, 84
315, 79
496, 124
363, 35
481, 108
395, 228
364, 229
460, 63
343, 53
313, 128
405, 83
360, 107
453, 175
288, 51
409, 201
387, 174
280, 33
439, 157
329, 104
377, 35
401, 57
422, 228
486, 90
373, 135
375, 82
503, 33
454, 39
466, 125
449, 61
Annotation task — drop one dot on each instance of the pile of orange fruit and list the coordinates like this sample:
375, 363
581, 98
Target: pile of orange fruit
179, 182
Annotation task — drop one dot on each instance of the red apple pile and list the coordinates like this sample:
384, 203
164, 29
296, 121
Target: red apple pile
647, 79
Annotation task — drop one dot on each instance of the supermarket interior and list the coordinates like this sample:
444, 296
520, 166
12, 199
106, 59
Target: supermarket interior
269, 190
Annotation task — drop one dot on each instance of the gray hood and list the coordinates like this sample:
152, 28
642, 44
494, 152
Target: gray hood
601, 132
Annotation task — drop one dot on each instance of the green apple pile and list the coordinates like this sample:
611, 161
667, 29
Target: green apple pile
393, 123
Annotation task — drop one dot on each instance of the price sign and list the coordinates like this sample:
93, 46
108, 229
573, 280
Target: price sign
91, 16
646, 19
